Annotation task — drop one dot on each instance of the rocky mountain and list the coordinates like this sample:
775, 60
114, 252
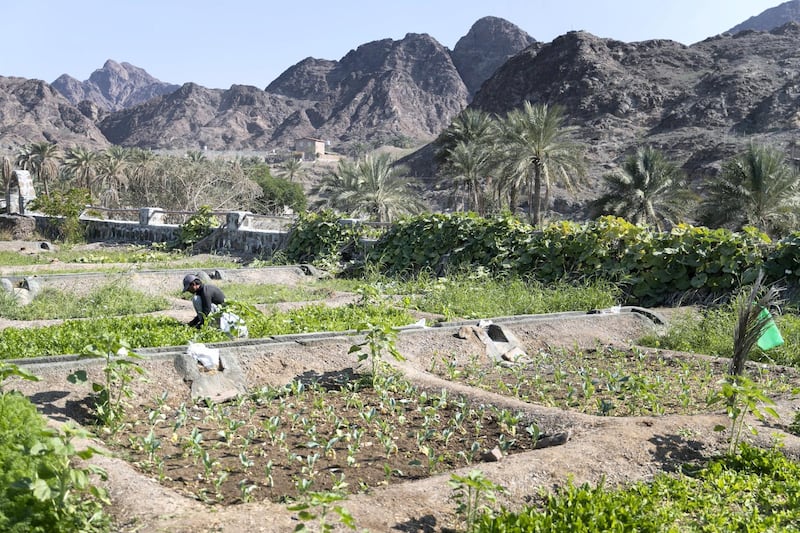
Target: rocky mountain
194, 118
700, 104
32, 111
771, 18
382, 90
115, 86
400, 92
489, 43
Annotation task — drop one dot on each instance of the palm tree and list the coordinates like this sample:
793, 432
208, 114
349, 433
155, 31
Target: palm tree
291, 167
468, 165
7, 169
648, 190
757, 188
81, 164
372, 187
112, 176
470, 126
195, 156
538, 149
42, 160
143, 183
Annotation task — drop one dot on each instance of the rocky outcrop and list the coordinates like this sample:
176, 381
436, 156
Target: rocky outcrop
700, 104
489, 43
115, 86
194, 118
773, 17
32, 111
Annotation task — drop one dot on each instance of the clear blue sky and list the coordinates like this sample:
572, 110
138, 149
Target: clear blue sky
218, 43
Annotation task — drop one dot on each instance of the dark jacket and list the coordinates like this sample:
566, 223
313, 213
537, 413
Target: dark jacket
206, 295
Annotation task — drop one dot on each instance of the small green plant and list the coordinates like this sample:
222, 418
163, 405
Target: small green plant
742, 396
378, 339
323, 501
794, 427
472, 494
68, 489
8, 370
119, 371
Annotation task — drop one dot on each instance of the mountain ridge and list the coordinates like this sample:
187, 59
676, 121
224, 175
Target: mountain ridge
700, 103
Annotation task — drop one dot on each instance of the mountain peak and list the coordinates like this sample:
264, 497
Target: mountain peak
772, 18
489, 43
113, 87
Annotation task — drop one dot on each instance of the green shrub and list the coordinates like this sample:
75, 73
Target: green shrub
754, 490
65, 209
197, 227
27, 462
321, 239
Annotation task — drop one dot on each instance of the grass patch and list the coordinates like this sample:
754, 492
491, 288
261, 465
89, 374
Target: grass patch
477, 295
483, 298
123, 255
271, 294
755, 490
710, 332
108, 300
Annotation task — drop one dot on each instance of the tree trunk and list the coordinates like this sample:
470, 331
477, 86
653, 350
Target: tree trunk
537, 196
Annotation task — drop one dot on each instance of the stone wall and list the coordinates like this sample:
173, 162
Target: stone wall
240, 232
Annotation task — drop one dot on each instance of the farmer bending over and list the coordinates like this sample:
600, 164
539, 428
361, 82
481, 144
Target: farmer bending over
206, 298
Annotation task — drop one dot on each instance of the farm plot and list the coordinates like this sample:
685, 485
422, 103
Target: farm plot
316, 431
314, 427
613, 380
341, 435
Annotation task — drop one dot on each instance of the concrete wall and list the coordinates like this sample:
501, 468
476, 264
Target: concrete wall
240, 231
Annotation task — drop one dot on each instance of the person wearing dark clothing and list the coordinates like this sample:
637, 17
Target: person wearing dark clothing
205, 298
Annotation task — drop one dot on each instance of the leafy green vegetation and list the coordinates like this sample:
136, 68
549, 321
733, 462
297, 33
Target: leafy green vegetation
650, 268
114, 299
72, 336
322, 239
65, 209
120, 369
754, 490
40, 490
197, 227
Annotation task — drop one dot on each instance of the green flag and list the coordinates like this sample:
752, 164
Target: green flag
770, 336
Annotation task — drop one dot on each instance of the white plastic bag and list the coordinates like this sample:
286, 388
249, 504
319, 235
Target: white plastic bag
208, 357
233, 325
